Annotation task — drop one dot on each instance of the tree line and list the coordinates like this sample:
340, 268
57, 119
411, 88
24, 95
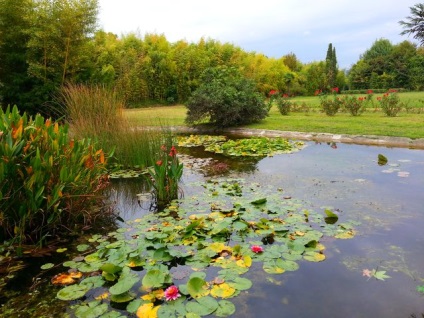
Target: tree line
45, 44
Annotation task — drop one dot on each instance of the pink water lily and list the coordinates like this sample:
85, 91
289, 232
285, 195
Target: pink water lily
257, 249
172, 293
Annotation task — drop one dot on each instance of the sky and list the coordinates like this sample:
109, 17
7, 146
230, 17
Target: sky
274, 28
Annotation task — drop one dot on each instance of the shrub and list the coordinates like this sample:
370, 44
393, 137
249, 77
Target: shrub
330, 106
47, 181
390, 103
355, 105
225, 98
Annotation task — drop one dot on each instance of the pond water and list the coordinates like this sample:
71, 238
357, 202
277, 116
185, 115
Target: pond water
385, 201
388, 201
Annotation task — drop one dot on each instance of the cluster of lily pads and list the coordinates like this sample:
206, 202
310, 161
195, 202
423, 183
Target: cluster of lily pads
246, 147
189, 260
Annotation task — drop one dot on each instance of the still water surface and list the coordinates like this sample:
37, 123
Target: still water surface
388, 201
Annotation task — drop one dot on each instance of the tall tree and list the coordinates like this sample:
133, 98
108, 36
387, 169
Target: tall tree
331, 66
15, 84
415, 23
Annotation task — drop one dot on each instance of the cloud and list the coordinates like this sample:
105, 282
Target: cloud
272, 27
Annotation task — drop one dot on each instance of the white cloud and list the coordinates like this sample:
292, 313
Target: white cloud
302, 27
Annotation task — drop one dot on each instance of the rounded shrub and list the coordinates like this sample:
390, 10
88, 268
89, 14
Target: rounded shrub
225, 98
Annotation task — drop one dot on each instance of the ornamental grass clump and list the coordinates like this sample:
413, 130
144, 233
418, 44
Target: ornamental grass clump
165, 176
48, 182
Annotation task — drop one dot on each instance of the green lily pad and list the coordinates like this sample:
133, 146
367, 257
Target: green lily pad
72, 292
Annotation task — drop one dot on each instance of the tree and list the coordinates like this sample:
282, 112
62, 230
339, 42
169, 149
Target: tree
415, 23
226, 98
331, 66
15, 84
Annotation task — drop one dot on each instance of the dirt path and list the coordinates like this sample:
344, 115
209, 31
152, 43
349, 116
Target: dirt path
386, 141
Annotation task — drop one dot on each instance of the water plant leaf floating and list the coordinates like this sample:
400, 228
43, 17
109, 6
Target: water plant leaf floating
61, 250
331, 217
66, 278
314, 257
223, 290
197, 287
82, 247
203, 306
199, 140
420, 289
122, 298
382, 160
47, 266
72, 292
91, 309
225, 308
380, 275
148, 311
154, 278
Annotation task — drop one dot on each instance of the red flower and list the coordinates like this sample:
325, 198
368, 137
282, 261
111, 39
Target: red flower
285, 95
272, 92
369, 91
163, 148
335, 89
159, 162
257, 249
172, 293
379, 98
173, 152
317, 92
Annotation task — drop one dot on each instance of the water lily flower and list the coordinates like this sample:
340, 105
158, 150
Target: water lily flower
257, 249
172, 293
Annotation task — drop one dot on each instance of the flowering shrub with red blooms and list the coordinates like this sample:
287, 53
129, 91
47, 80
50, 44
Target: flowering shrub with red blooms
390, 103
328, 105
257, 249
165, 176
370, 91
335, 90
272, 92
172, 293
318, 92
355, 106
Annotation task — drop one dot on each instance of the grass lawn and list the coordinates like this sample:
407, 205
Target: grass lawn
369, 123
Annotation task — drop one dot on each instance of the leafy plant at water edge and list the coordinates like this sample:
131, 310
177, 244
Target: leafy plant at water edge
47, 180
165, 176
190, 259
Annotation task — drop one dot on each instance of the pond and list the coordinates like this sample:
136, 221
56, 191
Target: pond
387, 201
377, 272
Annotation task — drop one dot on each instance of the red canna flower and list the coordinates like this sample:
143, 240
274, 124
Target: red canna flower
272, 92
159, 162
163, 148
335, 89
173, 152
369, 91
317, 92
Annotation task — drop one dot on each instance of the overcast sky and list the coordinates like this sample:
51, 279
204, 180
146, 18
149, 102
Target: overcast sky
271, 27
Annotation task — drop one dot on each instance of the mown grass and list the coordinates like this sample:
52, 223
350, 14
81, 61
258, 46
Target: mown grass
405, 124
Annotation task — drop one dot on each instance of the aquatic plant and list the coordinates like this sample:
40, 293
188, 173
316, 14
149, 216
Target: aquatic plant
165, 176
190, 258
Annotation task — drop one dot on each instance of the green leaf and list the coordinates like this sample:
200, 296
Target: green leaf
154, 278
125, 283
259, 201
47, 266
196, 287
122, 298
380, 275
83, 247
382, 160
72, 292
241, 283
203, 306
92, 309
111, 268
225, 308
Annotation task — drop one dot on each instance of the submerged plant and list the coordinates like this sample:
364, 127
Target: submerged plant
165, 176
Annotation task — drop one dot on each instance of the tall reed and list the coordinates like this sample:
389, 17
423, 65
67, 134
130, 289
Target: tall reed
97, 112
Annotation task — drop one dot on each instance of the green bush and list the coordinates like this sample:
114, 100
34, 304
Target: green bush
225, 98
330, 105
48, 182
355, 105
390, 104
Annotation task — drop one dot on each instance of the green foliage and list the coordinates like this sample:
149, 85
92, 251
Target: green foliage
330, 105
331, 66
46, 178
165, 176
415, 23
225, 98
390, 103
201, 268
355, 105
96, 112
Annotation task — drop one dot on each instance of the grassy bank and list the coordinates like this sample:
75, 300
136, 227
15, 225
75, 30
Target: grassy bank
405, 124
